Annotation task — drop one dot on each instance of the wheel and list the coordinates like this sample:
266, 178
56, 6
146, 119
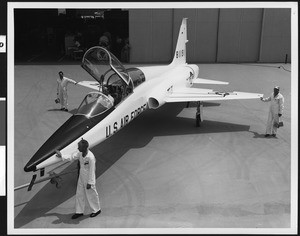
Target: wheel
197, 120
53, 180
58, 185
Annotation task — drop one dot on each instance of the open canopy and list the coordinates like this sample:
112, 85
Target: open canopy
100, 64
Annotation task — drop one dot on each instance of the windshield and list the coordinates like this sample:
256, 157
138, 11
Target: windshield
93, 104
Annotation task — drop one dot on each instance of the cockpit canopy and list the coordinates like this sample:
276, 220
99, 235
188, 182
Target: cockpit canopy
98, 62
95, 103
111, 75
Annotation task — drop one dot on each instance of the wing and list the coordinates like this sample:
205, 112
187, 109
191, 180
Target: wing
90, 84
198, 94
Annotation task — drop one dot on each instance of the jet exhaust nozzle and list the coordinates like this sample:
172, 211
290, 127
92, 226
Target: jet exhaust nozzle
153, 103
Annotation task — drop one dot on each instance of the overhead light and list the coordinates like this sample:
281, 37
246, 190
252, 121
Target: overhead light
61, 11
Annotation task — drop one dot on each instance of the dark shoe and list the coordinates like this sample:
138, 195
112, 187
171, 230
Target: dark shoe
274, 135
95, 214
75, 216
267, 135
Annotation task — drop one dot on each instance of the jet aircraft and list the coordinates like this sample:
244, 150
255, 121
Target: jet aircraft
121, 95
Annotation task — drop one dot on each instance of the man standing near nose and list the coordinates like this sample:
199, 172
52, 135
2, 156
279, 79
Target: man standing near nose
86, 186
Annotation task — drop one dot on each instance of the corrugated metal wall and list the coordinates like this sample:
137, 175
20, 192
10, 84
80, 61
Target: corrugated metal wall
215, 35
239, 35
150, 35
202, 33
276, 35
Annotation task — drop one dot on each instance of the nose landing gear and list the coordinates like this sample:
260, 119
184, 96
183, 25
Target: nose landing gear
56, 179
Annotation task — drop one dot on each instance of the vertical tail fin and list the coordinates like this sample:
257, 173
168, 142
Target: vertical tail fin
180, 52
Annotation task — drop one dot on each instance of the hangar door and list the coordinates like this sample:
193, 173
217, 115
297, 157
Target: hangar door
276, 36
153, 34
150, 35
215, 35
239, 35
201, 32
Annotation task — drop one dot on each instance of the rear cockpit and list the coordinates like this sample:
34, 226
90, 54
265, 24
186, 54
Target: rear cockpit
109, 72
113, 78
137, 76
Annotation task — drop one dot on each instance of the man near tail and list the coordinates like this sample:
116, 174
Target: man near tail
62, 95
275, 111
86, 186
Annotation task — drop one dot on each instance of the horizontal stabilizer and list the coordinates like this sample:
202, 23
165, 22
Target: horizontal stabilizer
208, 81
89, 84
191, 91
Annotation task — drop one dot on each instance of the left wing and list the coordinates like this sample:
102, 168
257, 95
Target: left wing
195, 94
90, 84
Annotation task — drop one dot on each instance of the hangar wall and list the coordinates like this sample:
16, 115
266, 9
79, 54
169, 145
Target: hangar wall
202, 33
150, 35
276, 35
215, 35
239, 35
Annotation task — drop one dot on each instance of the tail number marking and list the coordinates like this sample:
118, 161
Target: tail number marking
179, 53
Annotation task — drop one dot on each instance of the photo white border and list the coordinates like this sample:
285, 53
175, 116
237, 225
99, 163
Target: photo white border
131, 5
2, 170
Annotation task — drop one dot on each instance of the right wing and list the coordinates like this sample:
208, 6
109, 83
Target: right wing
90, 84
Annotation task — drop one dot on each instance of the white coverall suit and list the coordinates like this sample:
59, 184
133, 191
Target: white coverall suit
276, 108
62, 90
87, 175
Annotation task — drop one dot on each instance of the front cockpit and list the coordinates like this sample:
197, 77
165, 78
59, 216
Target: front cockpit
95, 103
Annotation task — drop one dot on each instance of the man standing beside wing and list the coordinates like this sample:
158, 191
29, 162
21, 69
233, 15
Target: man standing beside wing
275, 111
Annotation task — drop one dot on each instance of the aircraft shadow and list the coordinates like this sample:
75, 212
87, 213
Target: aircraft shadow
257, 135
137, 134
66, 218
205, 104
55, 109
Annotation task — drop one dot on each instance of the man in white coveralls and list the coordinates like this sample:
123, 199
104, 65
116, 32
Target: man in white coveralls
62, 95
275, 111
86, 186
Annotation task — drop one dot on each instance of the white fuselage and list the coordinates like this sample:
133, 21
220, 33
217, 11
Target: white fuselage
159, 82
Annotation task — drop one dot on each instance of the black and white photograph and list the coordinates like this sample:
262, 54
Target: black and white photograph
152, 118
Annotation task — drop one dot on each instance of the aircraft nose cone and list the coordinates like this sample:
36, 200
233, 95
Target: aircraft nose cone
42, 154
72, 129
67, 133
29, 168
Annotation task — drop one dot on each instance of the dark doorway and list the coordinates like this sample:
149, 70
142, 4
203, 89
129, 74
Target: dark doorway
117, 25
63, 35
